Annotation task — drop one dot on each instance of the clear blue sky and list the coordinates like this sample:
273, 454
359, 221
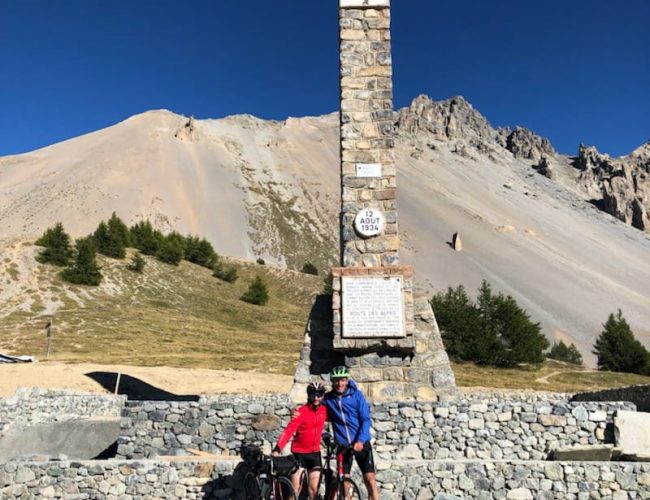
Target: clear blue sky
571, 70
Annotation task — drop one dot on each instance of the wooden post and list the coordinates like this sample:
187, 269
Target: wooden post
48, 327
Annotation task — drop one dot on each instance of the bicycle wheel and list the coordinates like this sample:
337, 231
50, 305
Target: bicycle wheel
345, 490
281, 489
251, 487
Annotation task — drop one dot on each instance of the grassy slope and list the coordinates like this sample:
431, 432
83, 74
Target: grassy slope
174, 316
183, 317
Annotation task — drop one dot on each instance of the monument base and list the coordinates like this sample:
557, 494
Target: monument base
384, 372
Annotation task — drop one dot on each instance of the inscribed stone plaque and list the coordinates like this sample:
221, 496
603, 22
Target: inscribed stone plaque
372, 306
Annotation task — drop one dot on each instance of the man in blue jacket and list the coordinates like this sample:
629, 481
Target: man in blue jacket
349, 413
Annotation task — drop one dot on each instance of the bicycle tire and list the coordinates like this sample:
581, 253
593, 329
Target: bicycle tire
281, 489
251, 487
337, 490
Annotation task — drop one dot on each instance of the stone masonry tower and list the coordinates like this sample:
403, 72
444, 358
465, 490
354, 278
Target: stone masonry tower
387, 337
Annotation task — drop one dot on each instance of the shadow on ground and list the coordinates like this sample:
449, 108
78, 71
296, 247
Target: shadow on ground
135, 389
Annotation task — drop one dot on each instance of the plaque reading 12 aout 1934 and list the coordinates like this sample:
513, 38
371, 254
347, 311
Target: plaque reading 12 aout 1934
372, 306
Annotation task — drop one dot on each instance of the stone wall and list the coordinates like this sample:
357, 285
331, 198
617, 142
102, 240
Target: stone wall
410, 480
480, 426
32, 406
637, 394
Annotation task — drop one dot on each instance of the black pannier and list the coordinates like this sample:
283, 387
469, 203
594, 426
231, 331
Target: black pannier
285, 466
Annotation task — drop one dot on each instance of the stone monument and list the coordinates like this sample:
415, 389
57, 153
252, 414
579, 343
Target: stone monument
373, 324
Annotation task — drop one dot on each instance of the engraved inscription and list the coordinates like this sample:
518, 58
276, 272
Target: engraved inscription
372, 306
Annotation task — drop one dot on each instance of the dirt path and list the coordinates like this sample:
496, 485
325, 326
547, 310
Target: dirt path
178, 381
544, 379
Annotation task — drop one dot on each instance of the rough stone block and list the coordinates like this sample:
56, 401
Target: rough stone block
632, 431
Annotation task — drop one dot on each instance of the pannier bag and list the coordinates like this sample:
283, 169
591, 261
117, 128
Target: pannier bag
284, 466
250, 453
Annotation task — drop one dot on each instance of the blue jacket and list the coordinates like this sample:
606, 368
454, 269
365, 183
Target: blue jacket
349, 414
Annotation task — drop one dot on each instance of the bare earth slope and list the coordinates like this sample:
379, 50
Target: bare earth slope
271, 189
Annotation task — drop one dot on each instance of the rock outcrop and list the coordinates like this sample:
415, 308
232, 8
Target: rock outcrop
453, 119
620, 186
526, 144
188, 132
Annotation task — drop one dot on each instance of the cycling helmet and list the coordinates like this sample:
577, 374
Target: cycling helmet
339, 372
315, 388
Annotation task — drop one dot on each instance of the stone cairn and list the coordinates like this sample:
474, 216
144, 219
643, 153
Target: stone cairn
373, 324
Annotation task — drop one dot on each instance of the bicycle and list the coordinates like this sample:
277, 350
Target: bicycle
267, 476
339, 486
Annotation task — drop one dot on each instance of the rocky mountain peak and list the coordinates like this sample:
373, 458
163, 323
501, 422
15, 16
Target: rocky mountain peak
451, 119
526, 144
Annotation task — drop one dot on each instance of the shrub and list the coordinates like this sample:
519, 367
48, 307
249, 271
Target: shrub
85, 270
58, 250
617, 349
561, 352
310, 268
224, 273
257, 292
137, 263
260, 261
494, 331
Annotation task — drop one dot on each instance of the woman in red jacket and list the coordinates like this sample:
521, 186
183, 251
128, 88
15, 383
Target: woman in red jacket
306, 428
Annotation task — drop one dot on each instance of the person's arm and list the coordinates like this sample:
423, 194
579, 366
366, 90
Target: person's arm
363, 410
289, 431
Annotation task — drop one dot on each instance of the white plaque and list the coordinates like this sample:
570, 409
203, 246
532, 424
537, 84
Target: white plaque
369, 222
368, 169
372, 306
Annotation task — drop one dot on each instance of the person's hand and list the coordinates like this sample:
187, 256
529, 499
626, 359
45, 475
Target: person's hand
358, 446
275, 453
294, 413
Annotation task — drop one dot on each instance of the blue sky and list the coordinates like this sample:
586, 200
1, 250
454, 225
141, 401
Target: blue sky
571, 70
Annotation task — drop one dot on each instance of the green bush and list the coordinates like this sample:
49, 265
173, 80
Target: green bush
617, 349
137, 263
561, 352
224, 273
58, 249
257, 292
310, 268
84, 270
494, 331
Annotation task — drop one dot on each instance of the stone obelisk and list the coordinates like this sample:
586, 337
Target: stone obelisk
387, 337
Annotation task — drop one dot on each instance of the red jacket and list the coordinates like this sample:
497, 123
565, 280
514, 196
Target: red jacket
307, 427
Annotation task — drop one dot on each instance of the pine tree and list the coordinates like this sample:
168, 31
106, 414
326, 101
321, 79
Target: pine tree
200, 251
171, 249
107, 243
617, 349
561, 352
58, 250
458, 320
257, 292
145, 238
137, 263
84, 271
118, 231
